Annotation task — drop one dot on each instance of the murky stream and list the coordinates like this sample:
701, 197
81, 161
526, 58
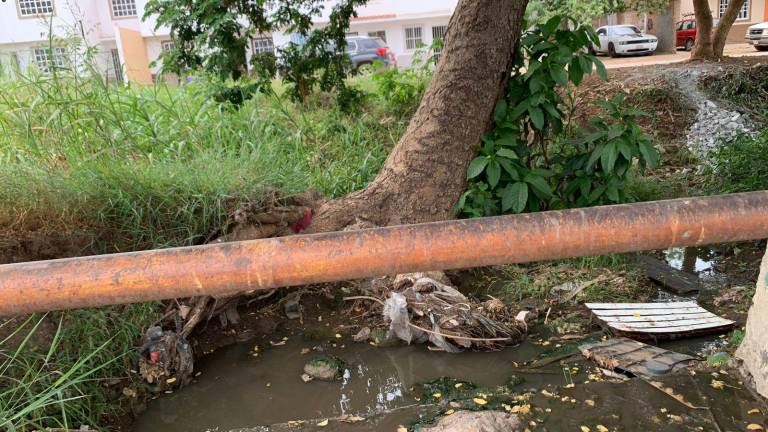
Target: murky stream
238, 391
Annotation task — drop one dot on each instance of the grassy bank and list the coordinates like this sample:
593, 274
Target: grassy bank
89, 167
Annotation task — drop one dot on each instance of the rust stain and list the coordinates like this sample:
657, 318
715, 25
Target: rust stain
298, 260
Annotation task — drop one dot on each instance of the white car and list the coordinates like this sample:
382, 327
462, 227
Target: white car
757, 36
619, 40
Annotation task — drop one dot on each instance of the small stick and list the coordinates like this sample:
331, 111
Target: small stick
546, 318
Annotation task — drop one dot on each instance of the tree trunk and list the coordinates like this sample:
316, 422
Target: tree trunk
710, 46
425, 174
724, 26
753, 352
703, 47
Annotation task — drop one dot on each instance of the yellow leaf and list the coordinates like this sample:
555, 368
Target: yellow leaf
602, 428
637, 314
402, 429
323, 423
717, 384
753, 411
590, 402
338, 336
458, 385
436, 395
506, 407
754, 426
170, 380
521, 409
585, 429
450, 411
480, 401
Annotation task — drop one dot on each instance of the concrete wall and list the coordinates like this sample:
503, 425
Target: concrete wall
753, 352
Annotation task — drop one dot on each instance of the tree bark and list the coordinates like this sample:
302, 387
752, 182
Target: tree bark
425, 174
709, 45
703, 47
753, 352
724, 26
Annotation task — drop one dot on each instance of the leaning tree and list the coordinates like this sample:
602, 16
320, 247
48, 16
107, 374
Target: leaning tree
710, 41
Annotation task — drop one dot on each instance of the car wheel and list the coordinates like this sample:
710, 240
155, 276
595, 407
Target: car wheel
689, 44
591, 50
612, 50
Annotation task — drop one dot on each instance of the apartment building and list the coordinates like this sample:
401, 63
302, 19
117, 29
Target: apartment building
42, 33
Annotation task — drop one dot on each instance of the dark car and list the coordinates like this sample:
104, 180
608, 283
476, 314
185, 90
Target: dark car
364, 50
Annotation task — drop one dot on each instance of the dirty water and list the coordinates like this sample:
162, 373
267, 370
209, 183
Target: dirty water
240, 391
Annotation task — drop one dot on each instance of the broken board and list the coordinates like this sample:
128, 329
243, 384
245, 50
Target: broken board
628, 356
659, 320
677, 281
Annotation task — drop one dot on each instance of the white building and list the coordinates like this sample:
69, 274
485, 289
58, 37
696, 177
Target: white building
125, 46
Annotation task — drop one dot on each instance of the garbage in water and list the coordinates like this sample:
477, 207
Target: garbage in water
659, 320
634, 358
421, 308
165, 359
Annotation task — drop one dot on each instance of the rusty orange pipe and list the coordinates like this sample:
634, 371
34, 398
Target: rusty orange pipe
263, 264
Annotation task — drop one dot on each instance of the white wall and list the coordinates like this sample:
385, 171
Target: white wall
395, 33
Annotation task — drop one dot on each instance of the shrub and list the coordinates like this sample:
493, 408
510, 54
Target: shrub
739, 166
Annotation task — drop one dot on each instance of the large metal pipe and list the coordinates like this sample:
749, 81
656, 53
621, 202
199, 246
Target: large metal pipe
263, 264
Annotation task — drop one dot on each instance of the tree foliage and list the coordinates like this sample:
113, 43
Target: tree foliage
583, 11
212, 35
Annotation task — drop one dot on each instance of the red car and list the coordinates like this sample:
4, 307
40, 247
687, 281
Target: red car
685, 33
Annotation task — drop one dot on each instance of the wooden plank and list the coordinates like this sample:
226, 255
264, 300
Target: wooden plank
648, 312
681, 329
716, 321
667, 305
656, 318
674, 280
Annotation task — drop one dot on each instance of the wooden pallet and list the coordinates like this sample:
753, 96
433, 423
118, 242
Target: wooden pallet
659, 320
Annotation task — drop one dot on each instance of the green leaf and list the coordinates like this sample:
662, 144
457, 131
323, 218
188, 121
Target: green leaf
515, 197
509, 168
625, 149
650, 154
575, 72
539, 185
493, 171
537, 117
519, 110
608, 157
595, 156
476, 166
535, 84
612, 193
507, 153
600, 68
558, 74
501, 111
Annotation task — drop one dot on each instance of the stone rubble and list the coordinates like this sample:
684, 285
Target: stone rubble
714, 124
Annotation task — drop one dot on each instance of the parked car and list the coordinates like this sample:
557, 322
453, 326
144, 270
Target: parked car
685, 33
757, 36
619, 40
363, 50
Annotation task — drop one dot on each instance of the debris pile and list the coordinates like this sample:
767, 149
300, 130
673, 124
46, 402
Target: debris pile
421, 308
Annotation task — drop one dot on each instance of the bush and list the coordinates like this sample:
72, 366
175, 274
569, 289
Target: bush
739, 166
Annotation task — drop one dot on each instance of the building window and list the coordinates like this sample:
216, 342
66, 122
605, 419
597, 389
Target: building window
117, 66
438, 34
743, 13
35, 7
263, 45
123, 8
413, 38
352, 34
47, 60
166, 45
381, 34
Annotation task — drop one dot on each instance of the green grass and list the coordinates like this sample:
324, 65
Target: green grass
739, 166
144, 168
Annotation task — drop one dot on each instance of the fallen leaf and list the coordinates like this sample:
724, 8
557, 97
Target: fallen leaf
590, 402
585, 429
458, 385
436, 395
129, 392
480, 401
170, 380
338, 336
306, 377
351, 419
754, 426
305, 351
753, 411
521, 409
323, 423
402, 429
450, 411
602, 428
717, 384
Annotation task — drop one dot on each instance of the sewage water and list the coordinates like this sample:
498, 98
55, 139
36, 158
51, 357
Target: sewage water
237, 391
